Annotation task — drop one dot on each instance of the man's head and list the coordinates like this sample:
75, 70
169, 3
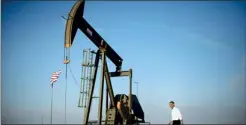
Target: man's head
171, 104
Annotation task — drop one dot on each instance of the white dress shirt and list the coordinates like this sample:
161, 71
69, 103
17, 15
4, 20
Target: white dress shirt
176, 115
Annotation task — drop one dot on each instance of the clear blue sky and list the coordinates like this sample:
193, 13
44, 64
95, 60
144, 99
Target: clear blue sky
193, 53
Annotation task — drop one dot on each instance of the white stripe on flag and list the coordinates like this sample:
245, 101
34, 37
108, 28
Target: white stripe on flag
55, 76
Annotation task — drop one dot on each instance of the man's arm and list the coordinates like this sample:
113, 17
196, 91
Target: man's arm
179, 116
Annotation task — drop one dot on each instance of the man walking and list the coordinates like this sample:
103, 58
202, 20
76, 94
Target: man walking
176, 115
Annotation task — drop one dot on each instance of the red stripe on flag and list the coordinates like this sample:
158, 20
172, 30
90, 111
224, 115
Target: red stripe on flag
55, 76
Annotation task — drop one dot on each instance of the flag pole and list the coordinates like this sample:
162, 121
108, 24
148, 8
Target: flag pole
51, 105
54, 78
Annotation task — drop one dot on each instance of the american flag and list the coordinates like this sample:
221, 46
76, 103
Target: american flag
54, 77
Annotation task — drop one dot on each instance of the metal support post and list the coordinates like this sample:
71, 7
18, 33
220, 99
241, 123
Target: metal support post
130, 96
106, 100
137, 88
101, 88
109, 85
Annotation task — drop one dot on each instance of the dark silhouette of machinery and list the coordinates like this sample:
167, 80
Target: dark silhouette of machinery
122, 109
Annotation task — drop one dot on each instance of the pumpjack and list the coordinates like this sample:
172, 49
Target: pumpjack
122, 108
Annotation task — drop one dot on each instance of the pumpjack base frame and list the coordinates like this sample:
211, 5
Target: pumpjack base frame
101, 54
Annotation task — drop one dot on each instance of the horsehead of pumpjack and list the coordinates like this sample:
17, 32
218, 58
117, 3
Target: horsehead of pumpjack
74, 16
75, 21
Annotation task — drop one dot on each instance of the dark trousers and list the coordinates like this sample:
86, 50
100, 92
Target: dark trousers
176, 122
